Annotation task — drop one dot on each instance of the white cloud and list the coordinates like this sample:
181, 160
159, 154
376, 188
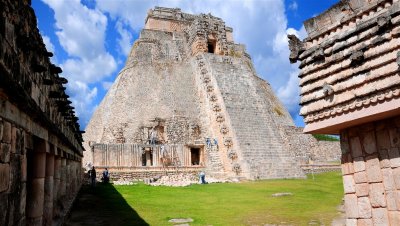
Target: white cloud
107, 85
125, 40
82, 99
48, 43
293, 6
81, 33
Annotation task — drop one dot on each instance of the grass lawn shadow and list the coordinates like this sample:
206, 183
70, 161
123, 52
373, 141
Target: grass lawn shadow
102, 205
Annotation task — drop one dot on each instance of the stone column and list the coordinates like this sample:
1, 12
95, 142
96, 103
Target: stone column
148, 158
371, 173
35, 199
68, 178
48, 190
63, 181
56, 186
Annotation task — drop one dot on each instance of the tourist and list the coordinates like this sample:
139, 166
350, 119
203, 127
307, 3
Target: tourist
106, 176
202, 177
92, 176
208, 142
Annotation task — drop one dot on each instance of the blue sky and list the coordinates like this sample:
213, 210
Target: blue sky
91, 39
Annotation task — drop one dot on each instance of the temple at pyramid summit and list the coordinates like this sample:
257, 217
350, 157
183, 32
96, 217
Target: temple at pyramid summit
189, 100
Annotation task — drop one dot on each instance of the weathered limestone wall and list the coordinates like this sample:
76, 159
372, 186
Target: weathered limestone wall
350, 84
348, 65
371, 173
240, 101
309, 150
40, 141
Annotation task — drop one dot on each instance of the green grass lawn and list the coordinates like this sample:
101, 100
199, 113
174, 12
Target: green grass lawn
248, 203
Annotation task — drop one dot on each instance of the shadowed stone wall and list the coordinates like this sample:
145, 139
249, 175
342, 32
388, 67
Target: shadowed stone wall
40, 141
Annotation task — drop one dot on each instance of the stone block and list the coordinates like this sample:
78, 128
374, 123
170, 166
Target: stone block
6, 132
394, 217
348, 184
362, 189
360, 177
396, 177
5, 151
24, 169
394, 157
380, 216
4, 177
377, 195
351, 205
383, 139
364, 222
28, 141
351, 222
369, 143
13, 139
373, 169
1, 128
384, 158
22, 199
34, 208
394, 137
359, 164
388, 181
364, 208
391, 200
3, 208
39, 165
347, 164
355, 146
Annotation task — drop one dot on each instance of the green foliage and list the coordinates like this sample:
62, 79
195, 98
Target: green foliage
248, 203
324, 137
234, 53
279, 111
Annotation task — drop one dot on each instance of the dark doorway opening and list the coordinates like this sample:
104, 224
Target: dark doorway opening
211, 46
195, 156
147, 158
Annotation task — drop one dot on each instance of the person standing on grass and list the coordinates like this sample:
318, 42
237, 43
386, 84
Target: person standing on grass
106, 176
92, 176
202, 177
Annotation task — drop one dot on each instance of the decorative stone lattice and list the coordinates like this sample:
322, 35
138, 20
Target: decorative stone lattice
228, 141
220, 117
224, 129
232, 154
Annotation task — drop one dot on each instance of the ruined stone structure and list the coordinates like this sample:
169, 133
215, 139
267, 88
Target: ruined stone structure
40, 141
350, 85
187, 99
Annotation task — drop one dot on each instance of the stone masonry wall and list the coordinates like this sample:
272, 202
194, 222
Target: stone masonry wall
307, 149
371, 173
40, 139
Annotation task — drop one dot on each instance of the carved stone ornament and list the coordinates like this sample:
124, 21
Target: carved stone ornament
216, 108
296, 47
220, 118
213, 98
228, 141
236, 168
224, 129
327, 89
206, 78
232, 154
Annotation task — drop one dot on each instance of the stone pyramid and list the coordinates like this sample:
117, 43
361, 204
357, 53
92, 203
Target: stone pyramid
189, 97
